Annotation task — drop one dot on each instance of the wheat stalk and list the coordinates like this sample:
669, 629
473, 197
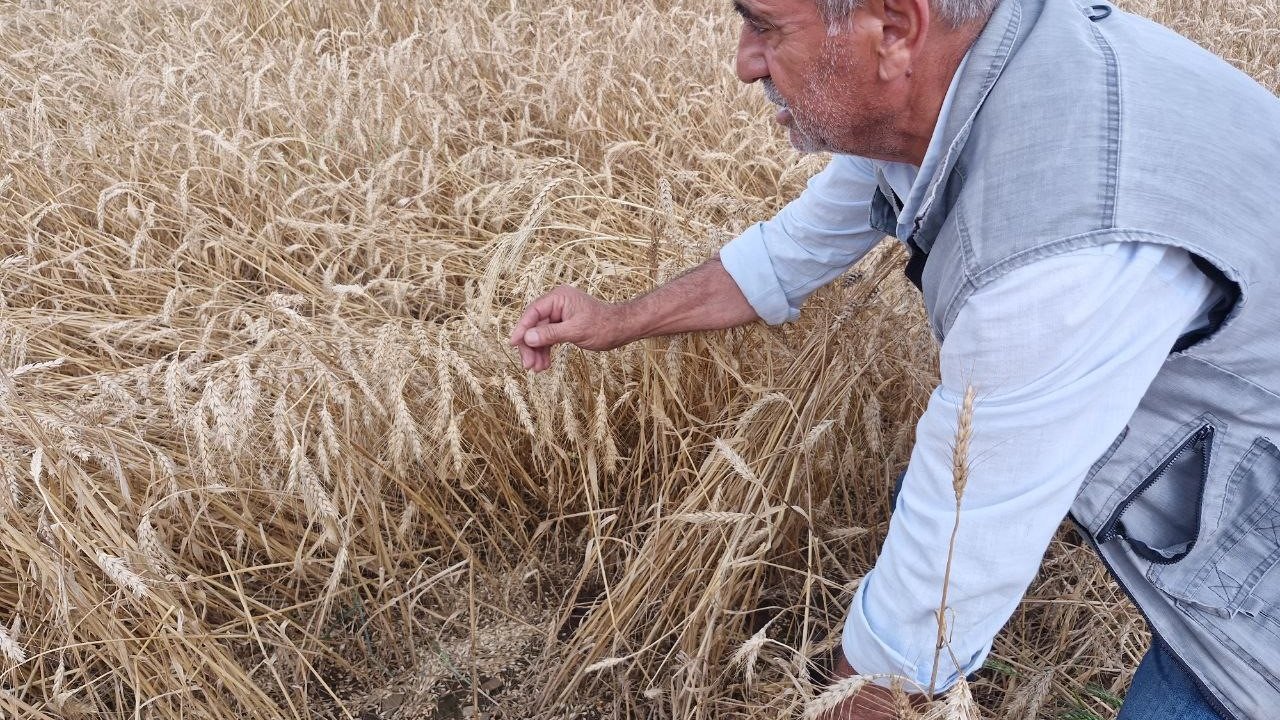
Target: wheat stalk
959, 480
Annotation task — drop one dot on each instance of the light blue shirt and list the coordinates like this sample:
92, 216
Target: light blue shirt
1053, 373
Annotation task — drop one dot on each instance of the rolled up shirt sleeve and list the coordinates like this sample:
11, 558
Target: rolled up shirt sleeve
1059, 354
777, 264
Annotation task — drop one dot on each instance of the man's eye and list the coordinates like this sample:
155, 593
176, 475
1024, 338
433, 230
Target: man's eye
757, 27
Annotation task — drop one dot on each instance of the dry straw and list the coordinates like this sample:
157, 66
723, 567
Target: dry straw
259, 261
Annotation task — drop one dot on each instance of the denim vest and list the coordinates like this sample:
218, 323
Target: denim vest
1076, 125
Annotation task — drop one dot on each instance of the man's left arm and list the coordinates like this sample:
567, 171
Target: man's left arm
778, 263
1059, 353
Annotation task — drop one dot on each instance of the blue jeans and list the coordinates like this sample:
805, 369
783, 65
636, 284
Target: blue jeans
1162, 690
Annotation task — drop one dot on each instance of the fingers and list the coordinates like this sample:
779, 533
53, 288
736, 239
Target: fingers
539, 311
526, 355
544, 335
547, 307
551, 319
535, 359
540, 356
541, 359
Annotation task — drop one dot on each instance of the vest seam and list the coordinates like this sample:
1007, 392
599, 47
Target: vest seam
967, 254
1112, 161
1131, 235
973, 281
968, 285
1002, 51
1224, 371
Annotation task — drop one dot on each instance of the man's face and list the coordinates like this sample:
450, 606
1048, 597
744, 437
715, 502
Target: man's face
823, 80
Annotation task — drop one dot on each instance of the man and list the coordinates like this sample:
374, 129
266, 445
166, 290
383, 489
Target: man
1091, 203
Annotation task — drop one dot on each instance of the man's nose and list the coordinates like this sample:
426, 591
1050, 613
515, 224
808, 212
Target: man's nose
750, 62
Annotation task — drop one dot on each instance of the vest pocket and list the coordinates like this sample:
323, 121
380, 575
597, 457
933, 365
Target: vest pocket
1160, 519
1222, 575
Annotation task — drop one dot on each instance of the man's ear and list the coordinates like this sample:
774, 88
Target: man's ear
904, 23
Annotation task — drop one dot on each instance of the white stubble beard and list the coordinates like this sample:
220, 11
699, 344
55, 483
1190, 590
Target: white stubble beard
802, 139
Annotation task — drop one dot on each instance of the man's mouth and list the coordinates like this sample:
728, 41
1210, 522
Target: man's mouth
783, 116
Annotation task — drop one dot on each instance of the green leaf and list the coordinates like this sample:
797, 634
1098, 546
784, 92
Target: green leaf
1000, 666
1079, 713
1104, 695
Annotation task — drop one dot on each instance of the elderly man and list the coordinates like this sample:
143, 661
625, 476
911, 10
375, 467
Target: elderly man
1091, 204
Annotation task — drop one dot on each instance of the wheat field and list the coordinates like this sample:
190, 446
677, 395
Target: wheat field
266, 453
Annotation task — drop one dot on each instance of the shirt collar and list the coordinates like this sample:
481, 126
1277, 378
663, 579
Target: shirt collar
932, 156
972, 82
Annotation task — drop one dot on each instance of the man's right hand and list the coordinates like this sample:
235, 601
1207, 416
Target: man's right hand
566, 314
705, 298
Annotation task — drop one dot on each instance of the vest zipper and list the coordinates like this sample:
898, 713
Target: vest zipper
1198, 440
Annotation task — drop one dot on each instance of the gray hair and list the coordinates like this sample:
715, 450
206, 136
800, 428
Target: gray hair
952, 12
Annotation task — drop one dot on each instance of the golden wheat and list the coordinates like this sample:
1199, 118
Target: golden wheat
265, 453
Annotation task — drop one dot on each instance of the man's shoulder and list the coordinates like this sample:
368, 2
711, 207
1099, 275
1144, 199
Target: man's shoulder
1118, 125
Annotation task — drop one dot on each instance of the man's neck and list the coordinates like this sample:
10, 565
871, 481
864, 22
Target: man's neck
930, 80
